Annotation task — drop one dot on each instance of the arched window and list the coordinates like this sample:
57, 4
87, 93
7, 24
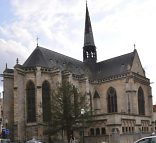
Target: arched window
141, 102
96, 102
115, 130
97, 131
103, 131
111, 100
92, 131
46, 104
96, 94
30, 101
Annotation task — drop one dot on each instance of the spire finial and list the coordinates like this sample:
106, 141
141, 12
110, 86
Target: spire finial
37, 40
6, 66
134, 46
17, 61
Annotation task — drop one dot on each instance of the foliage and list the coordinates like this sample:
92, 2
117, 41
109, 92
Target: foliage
67, 103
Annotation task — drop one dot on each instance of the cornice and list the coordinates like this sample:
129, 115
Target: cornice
140, 79
110, 78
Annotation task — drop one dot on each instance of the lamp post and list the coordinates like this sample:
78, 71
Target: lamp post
6, 132
6, 123
82, 113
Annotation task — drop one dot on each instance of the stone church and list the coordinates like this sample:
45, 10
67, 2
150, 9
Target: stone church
119, 91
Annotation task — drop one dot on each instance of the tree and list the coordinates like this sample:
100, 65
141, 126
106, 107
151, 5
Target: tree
67, 103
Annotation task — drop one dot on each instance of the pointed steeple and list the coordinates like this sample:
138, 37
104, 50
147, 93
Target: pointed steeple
88, 35
89, 49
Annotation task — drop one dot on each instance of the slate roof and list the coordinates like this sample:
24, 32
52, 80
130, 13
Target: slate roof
50, 59
114, 66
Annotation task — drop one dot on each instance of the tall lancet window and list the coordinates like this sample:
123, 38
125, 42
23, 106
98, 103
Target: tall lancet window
30, 99
96, 98
111, 100
46, 104
141, 102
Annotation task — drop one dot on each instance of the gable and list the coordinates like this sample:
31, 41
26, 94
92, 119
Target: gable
136, 65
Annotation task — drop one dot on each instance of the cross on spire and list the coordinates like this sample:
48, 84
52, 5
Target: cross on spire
37, 40
6, 66
17, 61
134, 46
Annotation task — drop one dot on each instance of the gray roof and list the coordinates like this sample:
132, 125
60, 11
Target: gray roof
114, 66
50, 59
9, 70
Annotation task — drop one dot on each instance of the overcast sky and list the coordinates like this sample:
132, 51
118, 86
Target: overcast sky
117, 25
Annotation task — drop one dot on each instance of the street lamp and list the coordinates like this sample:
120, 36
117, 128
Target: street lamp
82, 113
6, 123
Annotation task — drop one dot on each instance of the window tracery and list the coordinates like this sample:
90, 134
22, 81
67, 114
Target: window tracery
30, 100
46, 104
111, 100
141, 102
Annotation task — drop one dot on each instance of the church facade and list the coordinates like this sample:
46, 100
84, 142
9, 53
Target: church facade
118, 89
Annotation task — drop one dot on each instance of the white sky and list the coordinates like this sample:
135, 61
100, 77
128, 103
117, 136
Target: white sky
59, 24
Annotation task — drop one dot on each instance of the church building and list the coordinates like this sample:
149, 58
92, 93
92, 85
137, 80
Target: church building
119, 91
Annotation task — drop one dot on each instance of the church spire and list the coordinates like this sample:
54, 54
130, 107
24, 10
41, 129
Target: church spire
89, 49
88, 35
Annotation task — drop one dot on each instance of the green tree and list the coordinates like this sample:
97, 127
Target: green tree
67, 103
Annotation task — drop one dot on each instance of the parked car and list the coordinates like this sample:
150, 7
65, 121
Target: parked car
149, 139
5, 141
33, 141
